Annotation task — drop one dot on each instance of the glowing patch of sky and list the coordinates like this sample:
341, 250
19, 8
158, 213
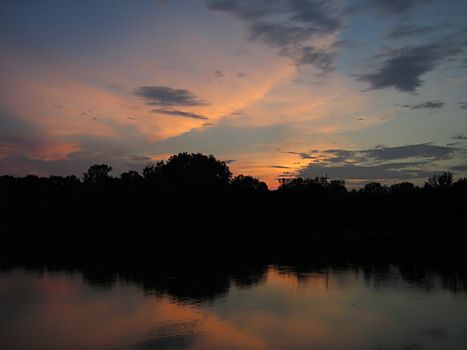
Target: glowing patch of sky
70, 71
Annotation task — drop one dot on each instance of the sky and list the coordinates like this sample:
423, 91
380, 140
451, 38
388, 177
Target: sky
362, 90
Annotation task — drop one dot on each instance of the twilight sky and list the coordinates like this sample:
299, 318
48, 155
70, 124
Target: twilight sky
363, 90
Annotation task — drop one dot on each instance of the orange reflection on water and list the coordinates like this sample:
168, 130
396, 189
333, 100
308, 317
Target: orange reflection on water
63, 310
286, 309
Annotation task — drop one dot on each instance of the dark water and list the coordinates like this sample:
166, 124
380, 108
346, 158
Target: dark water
269, 307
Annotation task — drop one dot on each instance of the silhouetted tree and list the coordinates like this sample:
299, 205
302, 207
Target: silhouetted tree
443, 180
194, 171
375, 188
131, 177
153, 172
192, 197
97, 173
248, 183
302, 184
319, 184
461, 184
402, 188
289, 184
337, 187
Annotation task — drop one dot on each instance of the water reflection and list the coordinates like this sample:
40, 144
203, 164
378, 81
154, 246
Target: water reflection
248, 306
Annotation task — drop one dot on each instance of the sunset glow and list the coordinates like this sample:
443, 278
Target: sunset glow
130, 83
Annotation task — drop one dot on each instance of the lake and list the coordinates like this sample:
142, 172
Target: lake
251, 306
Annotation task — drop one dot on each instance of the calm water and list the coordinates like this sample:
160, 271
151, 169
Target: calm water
269, 307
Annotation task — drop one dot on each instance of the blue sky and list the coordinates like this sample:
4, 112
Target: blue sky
276, 87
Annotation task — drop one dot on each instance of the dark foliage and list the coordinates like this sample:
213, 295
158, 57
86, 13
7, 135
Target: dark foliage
192, 203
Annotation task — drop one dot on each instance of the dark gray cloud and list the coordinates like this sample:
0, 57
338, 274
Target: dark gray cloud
322, 59
463, 104
167, 96
460, 137
140, 158
379, 163
306, 17
280, 167
281, 35
244, 9
390, 171
388, 8
425, 151
462, 167
303, 155
177, 113
434, 104
287, 25
396, 6
403, 31
422, 150
340, 155
402, 69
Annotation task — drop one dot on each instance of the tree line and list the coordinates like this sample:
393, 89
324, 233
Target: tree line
193, 199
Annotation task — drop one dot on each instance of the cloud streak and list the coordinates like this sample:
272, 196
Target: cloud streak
379, 163
287, 26
183, 114
404, 31
403, 68
393, 171
427, 151
422, 150
167, 96
434, 104
396, 7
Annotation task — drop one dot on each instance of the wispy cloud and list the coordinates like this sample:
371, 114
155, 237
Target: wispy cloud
280, 167
402, 69
396, 6
392, 171
303, 155
383, 163
288, 25
140, 158
183, 114
434, 104
404, 31
422, 150
167, 96
462, 167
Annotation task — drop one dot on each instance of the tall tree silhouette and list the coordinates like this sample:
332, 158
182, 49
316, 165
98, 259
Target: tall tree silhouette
443, 180
191, 171
97, 173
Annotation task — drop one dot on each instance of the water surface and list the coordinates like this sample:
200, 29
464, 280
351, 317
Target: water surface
266, 307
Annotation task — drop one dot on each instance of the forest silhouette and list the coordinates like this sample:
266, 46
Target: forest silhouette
191, 204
